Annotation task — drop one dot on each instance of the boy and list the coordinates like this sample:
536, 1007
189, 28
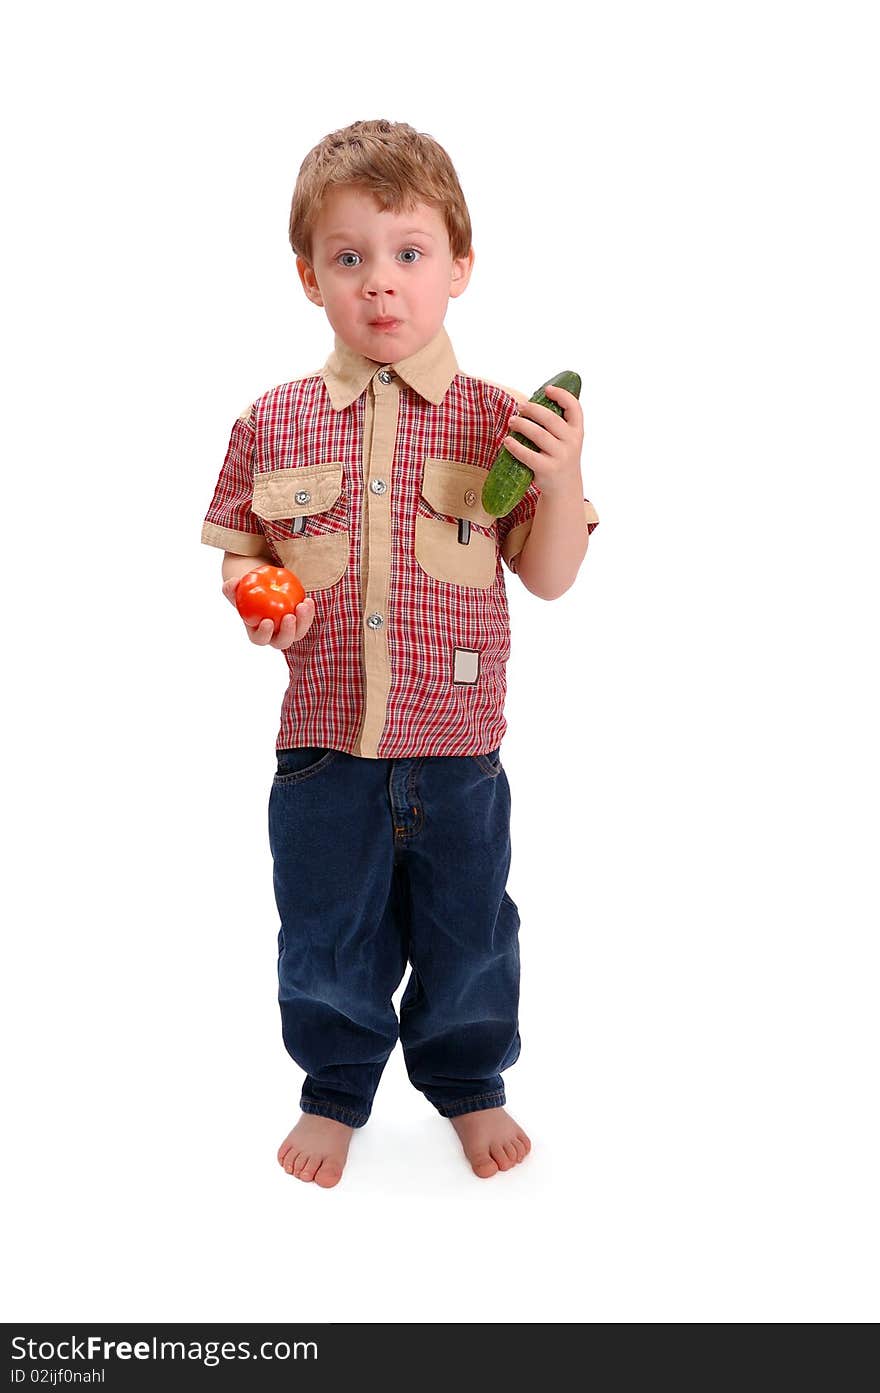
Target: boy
389, 811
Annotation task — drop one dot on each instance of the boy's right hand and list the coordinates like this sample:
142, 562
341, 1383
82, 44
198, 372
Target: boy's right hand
292, 628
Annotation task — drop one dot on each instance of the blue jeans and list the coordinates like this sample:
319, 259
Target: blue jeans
380, 862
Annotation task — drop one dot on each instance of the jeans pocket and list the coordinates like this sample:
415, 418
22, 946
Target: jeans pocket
302, 762
490, 763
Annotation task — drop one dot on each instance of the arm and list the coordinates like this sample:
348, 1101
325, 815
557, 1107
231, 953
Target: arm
557, 542
230, 523
292, 628
235, 566
556, 545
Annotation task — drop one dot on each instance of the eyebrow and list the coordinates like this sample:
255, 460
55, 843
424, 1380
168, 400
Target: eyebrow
346, 236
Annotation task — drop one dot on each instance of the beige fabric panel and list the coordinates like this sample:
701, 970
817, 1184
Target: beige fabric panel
456, 488
441, 555
369, 413
317, 562
376, 554
242, 543
275, 491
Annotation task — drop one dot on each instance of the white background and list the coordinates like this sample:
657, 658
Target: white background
678, 200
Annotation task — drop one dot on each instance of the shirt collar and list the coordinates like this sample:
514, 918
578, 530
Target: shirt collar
429, 372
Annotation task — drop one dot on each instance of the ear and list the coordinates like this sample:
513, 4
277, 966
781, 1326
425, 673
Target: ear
461, 274
309, 282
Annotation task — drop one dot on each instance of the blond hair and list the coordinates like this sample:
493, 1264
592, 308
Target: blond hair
391, 160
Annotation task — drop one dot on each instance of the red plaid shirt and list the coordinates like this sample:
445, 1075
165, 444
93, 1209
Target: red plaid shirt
365, 480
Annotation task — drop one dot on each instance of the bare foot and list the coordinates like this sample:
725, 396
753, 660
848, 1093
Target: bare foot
316, 1150
492, 1141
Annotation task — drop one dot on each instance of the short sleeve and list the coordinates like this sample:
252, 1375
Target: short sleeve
515, 528
229, 522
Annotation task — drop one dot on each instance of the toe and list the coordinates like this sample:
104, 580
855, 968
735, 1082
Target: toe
290, 1160
512, 1153
521, 1137
300, 1164
483, 1165
307, 1172
499, 1155
329, 1173
520, 1145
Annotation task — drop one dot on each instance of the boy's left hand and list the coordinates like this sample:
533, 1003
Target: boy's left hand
557, 462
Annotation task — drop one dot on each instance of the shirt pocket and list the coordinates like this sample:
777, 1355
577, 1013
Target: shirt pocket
305, 516
455, 537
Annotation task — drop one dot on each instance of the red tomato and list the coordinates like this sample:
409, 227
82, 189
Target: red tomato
268, 592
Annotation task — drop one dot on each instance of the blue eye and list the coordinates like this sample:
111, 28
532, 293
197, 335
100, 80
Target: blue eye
342, 255
413, 252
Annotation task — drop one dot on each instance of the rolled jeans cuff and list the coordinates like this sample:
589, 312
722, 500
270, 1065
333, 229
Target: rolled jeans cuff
336, 1114
458, 1106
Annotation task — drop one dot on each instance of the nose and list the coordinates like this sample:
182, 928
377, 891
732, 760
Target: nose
378, 283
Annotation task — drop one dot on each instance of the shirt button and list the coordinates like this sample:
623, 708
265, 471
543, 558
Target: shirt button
385, 377
470, 498
303, 496
378, 486
375, 621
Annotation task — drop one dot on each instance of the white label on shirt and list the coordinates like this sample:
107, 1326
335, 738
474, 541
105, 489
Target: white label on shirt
467, 665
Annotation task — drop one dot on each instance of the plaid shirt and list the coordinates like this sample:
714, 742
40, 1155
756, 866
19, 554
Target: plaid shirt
365, 480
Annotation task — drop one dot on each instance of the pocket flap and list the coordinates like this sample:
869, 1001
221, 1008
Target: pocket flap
295, 493
456, 489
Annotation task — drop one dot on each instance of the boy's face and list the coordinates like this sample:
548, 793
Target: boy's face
369, 267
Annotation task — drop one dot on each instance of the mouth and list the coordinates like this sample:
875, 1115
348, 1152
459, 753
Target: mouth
384, 323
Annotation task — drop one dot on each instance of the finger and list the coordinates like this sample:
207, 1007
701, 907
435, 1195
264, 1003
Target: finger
295, 626
229, 589
550, 421
567, 400
305, 615
261, 633
286, 632
533, 431
521, 452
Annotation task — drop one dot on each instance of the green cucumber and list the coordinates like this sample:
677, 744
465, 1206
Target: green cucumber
508, 479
